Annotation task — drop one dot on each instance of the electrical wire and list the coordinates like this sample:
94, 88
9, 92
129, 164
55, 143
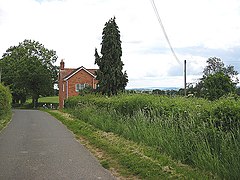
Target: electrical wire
164, 31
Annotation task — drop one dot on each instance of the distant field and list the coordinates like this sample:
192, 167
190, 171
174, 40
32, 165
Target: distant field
51, 99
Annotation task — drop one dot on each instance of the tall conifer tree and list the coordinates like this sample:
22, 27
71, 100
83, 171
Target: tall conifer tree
110, 74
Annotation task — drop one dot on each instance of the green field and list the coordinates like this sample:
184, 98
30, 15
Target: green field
197, 132
51, 99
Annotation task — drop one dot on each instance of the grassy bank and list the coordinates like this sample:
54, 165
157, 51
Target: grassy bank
193, 131
4, 120
125, 158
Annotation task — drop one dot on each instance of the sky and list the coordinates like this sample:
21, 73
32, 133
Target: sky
197, 30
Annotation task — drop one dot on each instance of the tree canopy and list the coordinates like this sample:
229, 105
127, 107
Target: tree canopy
217, 80
216, 85
29, 70
110, 73
215, 65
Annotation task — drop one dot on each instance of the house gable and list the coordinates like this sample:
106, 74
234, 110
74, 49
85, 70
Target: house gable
78, 70
72, 80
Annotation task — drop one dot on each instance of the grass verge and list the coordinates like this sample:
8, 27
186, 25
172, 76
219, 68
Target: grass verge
196, 132
127, 159
4, 120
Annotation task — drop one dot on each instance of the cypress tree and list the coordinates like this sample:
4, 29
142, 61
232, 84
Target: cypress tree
110, 75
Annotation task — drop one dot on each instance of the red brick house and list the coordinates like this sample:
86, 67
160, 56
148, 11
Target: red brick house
71, 81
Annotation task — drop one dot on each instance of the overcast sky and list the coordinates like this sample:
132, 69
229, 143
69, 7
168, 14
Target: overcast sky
197, 30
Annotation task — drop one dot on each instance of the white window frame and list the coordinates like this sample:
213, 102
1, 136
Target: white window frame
79, 87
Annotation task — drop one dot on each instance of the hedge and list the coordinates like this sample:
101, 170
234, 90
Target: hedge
5, 101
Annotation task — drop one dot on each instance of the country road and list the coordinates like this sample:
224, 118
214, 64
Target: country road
37, 146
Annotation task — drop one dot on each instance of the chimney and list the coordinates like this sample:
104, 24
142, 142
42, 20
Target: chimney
62, 65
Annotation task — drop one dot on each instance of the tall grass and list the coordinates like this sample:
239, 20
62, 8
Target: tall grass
194, 131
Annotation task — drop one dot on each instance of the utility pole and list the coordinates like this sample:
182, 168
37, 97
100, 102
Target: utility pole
185, 78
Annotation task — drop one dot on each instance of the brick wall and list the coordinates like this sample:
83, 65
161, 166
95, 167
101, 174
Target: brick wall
82, 77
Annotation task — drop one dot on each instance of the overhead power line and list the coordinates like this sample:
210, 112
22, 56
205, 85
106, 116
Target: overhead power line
164, 31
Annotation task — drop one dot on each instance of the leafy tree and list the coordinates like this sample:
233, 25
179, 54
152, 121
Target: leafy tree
217, 80
238, 91
215, 65
28, 69
216, 85
158, 91
110, 75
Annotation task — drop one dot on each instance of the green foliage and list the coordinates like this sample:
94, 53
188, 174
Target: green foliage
198, 132
5, 100
86, 90
217, 80
131, 160
215, 65
216, 85
28, 69
227, 114
5, 105
110, 75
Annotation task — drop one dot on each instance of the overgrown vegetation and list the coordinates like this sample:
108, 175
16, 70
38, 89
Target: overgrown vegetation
127, 159
5, 105
218, 80
194, 131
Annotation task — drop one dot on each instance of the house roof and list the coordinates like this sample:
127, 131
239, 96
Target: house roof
71, 72
65, 72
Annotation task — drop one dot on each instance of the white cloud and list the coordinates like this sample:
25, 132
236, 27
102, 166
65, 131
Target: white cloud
74, 28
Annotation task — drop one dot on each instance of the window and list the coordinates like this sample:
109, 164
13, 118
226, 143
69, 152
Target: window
79, 87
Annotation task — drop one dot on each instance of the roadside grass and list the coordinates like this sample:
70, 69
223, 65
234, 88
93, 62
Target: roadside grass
127, 159
196, 132
4, 120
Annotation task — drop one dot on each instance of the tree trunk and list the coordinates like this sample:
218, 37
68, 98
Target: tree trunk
35, 100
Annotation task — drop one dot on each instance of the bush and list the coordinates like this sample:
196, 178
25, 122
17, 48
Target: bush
227, 114
5, 101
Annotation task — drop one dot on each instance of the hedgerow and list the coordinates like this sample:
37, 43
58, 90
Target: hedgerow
5, 105
202, 133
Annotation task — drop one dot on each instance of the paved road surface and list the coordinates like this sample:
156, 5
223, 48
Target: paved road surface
37, 146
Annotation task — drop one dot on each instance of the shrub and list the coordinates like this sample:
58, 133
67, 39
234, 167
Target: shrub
227, 114
5, 101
